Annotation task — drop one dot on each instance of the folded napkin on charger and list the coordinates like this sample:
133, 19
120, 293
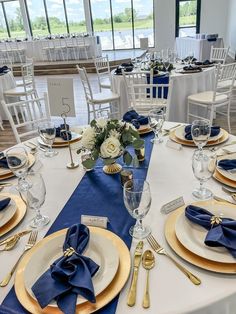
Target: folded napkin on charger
215, 130
4, 163
222, 231
133, 117
4, 69
192, 68
70, 275
4, 203
227, 164
61, 132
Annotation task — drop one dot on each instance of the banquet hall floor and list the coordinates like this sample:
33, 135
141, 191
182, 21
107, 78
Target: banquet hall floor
6, 136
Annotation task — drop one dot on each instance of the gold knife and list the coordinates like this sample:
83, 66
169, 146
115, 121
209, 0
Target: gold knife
20, 234
133, 287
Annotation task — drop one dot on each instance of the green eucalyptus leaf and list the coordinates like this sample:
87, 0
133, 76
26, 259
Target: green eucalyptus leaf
95, 154
134, 133
138, 143
135, 162
108, 161
93, 123
79, 151
127, 158
89, 163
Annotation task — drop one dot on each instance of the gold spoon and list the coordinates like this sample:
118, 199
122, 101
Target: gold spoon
148, 262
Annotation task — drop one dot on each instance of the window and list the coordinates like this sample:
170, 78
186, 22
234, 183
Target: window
3, 26
121, 24
187, 17
37, 16
75, 16
56, 16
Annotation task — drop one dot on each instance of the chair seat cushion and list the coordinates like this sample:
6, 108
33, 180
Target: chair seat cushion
207, 97
105, 82
105, 96
17, 91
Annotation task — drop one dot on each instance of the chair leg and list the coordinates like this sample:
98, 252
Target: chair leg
188, 112
228, 117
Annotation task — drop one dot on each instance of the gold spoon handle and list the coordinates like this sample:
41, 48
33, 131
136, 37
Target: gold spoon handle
146, 297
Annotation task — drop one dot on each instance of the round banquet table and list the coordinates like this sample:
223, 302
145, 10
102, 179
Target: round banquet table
7, 81
183, 85
170, 176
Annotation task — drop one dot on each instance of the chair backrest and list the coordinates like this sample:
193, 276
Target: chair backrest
225, 78
85, 83
102, 67
25, 116
27, 72
219, 54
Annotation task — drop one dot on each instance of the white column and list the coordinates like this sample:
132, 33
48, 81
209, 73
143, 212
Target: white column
25, 19
87, 14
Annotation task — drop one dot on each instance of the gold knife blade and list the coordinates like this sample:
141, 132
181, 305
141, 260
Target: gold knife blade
133, 287
19, 234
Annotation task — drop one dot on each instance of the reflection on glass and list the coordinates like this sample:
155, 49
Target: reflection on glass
14, 18
56, 15
3, 29
75, 15
37, 17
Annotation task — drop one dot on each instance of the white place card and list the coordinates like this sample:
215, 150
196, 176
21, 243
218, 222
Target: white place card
96, 221
172, 205
173, 145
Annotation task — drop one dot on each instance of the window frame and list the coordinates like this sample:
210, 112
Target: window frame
177, 17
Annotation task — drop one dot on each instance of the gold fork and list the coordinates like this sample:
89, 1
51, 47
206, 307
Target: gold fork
31, 242
160, 250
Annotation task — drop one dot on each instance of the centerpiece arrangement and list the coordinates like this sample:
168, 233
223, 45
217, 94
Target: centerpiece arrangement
109, 140
160, 66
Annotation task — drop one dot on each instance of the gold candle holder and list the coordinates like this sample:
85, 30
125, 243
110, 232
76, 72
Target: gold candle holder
126, 175
140, 153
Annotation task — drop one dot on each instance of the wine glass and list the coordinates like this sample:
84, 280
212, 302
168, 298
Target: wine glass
203, 164
47, 132
200, 130
35, 198
191, 57
156, 118
18, 163
137, 199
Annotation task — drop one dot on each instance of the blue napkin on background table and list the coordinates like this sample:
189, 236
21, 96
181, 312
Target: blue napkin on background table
4, 203
222, 234
4, 164
68, 276
227, 164
136, 119
215, 130
61, 132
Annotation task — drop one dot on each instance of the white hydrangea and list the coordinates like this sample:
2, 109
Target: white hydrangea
101, 123
88, 138
114, 133
110, 148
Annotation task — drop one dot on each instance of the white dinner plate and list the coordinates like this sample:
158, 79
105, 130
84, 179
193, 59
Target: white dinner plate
8, 212
192, 236
59, 141
180, 133
100, 249
227, 173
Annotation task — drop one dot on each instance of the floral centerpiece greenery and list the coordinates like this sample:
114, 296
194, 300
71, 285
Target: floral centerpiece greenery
160, 66
109, 140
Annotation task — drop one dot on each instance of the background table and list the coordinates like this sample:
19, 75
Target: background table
201, 48
7, 81
170, 176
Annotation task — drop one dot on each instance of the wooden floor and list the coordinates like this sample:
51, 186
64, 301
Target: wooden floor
7, 139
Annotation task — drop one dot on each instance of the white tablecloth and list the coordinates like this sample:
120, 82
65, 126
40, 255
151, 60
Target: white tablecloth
201, 48
183, 86
7, 81
170, 175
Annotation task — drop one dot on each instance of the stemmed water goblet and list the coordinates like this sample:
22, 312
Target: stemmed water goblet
35, 197
200, 131
137, 199
156, 118
47, 132
18, 163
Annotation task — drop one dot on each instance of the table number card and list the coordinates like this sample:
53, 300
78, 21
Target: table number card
96, 221
172, 205
61, 96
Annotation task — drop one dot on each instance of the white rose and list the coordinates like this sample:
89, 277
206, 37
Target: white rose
114, 133
110, 148
88, 138
101, 123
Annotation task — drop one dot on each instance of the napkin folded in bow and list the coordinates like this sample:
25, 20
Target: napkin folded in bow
227, 164
133, 117
4, 203
215, 130
70, 275
61, 132
4, 69
222, 231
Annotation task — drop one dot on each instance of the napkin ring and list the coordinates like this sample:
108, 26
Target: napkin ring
70, 251
216, 220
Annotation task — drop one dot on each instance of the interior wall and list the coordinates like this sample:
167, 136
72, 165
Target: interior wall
231, 31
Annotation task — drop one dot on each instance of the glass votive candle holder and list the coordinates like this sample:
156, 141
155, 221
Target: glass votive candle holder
86, 154
140, 153
126, 175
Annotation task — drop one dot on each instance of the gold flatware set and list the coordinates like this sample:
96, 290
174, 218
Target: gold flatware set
11, 241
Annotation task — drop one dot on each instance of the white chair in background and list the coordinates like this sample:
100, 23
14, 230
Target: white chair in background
25, 116
71, 49
82, 47
95, 101
25, 71
103, 72
219, 55
214, 100
16, 51
59, 50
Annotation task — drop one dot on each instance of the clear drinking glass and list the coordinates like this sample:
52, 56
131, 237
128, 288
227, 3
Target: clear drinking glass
47, 132
156, 118
137, 199
35, 198
201, 130
203, 164
18, 163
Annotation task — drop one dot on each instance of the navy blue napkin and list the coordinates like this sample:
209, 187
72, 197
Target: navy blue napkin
4, 203
4, 69
61, 132
215, 130
68, 276
4, 163
227, 164
219, 234
133, 117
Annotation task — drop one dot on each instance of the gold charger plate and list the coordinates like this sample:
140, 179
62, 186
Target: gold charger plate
219, 177
18, 216
144, 129
7, 173
190, 257
221, 140
102, 299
